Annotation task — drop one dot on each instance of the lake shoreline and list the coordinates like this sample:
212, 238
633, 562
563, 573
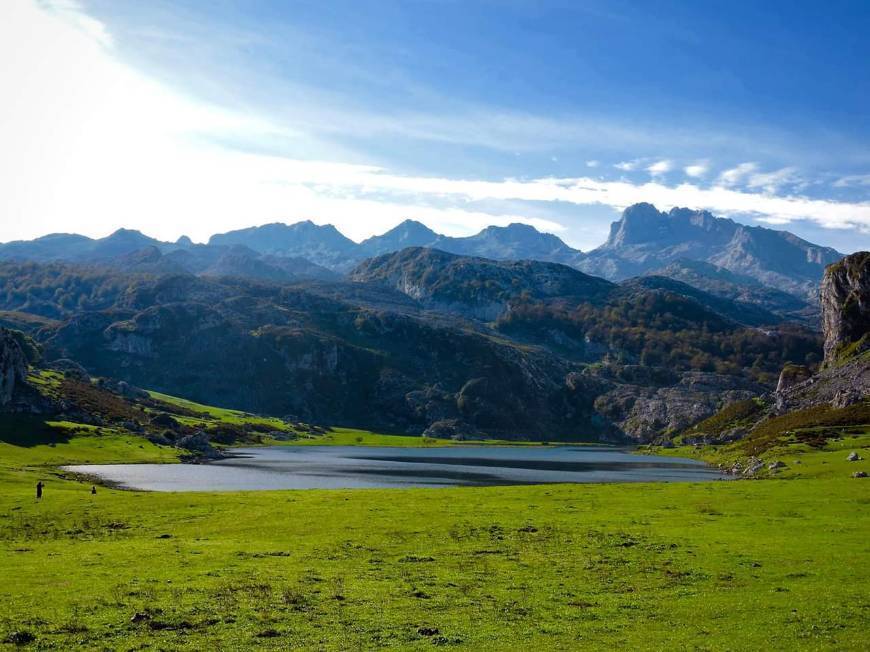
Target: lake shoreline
358, 467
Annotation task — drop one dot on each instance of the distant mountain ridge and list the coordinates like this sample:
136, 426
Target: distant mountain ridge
643, 241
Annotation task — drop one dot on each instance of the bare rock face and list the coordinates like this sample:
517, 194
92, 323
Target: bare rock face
643, 412
845, 299
13, 365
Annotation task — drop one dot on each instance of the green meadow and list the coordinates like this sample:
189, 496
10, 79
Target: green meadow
780, 563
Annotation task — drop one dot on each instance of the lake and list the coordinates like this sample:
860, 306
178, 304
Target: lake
346, 467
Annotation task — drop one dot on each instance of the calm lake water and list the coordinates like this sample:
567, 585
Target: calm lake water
345, 467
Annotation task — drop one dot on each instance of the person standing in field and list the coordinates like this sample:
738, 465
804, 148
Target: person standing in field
39, 487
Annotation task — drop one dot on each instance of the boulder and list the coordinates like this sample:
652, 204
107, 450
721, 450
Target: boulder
853, 457
198, 443
753, 466
791, 375
859, 474
449, 429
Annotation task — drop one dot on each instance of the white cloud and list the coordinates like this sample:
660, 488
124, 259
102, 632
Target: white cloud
852, 180
619, 194
592, 164
659, 167
626, 166
735, 175
697, 170
771, 182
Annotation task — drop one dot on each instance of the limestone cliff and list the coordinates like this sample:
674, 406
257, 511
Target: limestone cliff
845, 376
845, 299
13, 365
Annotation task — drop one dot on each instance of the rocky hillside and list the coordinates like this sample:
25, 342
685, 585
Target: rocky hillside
323, 355
813, 406
742, 289
412, 344
476, 287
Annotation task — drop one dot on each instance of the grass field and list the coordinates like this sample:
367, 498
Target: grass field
768, 564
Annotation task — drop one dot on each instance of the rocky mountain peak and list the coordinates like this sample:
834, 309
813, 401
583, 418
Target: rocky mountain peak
644, 239
639, 223
845, 301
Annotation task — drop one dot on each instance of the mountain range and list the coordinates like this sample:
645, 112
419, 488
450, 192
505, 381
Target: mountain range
774, 269
644, 240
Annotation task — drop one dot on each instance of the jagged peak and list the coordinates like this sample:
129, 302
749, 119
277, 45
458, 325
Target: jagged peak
642, 210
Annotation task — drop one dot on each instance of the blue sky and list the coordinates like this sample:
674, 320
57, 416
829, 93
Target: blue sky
196, 117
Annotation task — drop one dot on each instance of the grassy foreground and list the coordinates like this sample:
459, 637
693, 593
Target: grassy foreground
772, 564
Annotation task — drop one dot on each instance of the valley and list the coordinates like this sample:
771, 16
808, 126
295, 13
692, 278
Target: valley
421, 369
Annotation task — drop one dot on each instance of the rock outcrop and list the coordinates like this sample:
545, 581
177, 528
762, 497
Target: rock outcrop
13, 365
643, 412
791, 375
845, 299
845, 376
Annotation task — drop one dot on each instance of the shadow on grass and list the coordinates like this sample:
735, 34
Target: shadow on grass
30, 430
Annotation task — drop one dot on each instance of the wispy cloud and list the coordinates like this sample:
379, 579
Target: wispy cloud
619, 194
592, 164
771, 182
735, 175
852, 180
660, 167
